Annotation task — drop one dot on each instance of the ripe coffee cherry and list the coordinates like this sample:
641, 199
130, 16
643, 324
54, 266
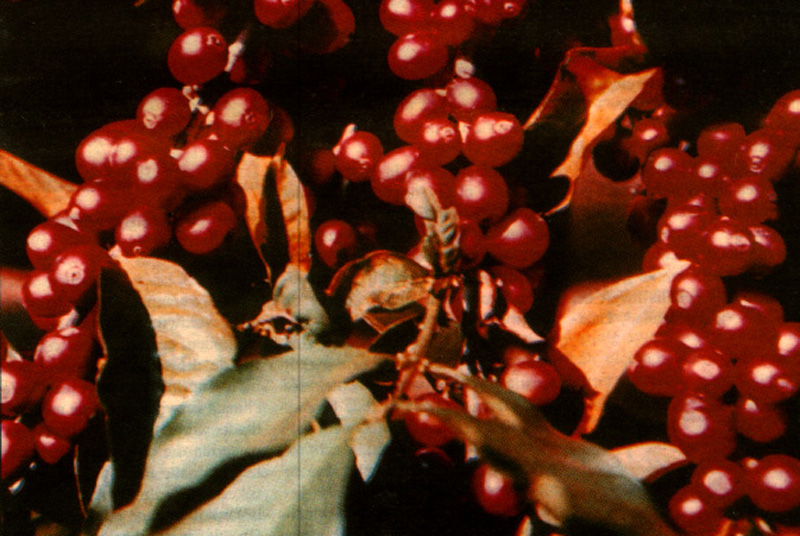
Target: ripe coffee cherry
193, 13
668, 173
647, 135
702, 428
402, 17
157, 181
17, 447
98, 205
130, 147
389, 179
197, 56
765, 153
357, 154
48, 240
696, 295
22, 386
281, 13
658, 256
766, 305
490, 12
92, 155
143, 231
785, 116
789, 345
681, 229
49, 446
438, 141
765, 379
493, 139
241, 117
417, 55
164, 112
708, 176
759, 421
41, 298
750, 200
656, 367
426, 428
774, 484
515, 287
692, 336
469, 97
728, 248
414, 110
452, 21
721, 142
769, 249
707, 371
436, 179
205, 164
472, 244
720, 482
536, 381
64, 354
691, 510
520, 239
335, 242
76, 270
495, 492
742, 332
68, 407
481, 194
204, 229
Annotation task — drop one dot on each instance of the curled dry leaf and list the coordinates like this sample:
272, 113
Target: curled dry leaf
647, 461
47, 193
512, 321
294, 208
251, 176
599, 332
194, 341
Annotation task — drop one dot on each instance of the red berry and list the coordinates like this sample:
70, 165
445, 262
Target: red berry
68, 407
143, 231
417, 55
709, 176
41, 298
707, 371
689, 508
17, 446
92, 154
668, 172
520, 239
785, 116
495, 492
690, 335
335, 242
774, 483
64, 354
452, 21
414, 110
765, 153
50, 446
204, 229
320, 165
98, 205
193, 13
681, 229
766, 379
658, 256
514, 286
759, 421
472, 244
402, 17
157, 180
750, 200
469, 97
720, 482
357, 154
728, 248
426, 428
241, 117
389, 179
769, 249
490, 12
493, 139
48, 240
281, 13
164, 112
437, 179
702, 428
721, 142
205, 164
536, 381
656, 367
647, 135
765, 305
789, 345
197, 56
742, 332
76, 270
438, 141
131, 146
696, 295
481, 194
22, 386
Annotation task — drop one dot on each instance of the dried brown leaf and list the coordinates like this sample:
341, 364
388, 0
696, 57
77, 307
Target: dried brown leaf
649, 460
47, 193
251, 176
295, 213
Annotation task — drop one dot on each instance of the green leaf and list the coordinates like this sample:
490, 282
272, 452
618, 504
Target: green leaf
255, 409
130, 385
300, 492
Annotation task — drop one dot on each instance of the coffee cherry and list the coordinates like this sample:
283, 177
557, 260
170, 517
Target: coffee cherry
765, 153
98, 205
785, 117
721, 142
514, 286
197, 56
17, 447
789, 345
696, 295
490, 12
720, 482
417, 55
143, 231
414, 110
694, 337
702, 428
469, 97
68, 407
241, 117
708, 176
76, 270
472, 244
92, 154
536, 381
481, 194
759, 421
204, 229
452, 21
767, 306
647, 136
64, 354
50, 447
765, 379
205, 164
22, 386
690, 509
667, 173
774, 483
681, 229
357, 155
495, 492
520, 239
48, 240
281, 13
438, 141
130, 147
402, 17
335, 242
769, 249
493, 139
656, 367
728, 248
750, 200
437, 179
389, 179
742, 332
164, 112
190, 14
157, 181
658, 256
40, 297
426, 428
707, 371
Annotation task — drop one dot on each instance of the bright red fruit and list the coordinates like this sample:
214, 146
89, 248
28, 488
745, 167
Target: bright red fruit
68, 407
50, 446
536, 381
414, 110
728, 248
357, 154
164, 112
656, 367
241, 116
707, 371
417, 55
64, 354
426, 428
493, 139
743, 332
143, 231
17, 446
205, 164
193, 13
691, 510
438, 141
335, 242
495, 492
389, 178
701, 427
281, 13
48, 240
197, 56
452, 21
720, 482
40, 297
696, 295
759, 421
99, 204
76, 270
750, 200
766, 379
668, 172
481, 194
469, 97
520, 239
402, 17
774, 483
204, 229
22, 386
514, 286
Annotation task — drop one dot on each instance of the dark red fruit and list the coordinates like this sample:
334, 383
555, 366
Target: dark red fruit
64, 354
98, 205
495, 492
769, 249
164, 112
493, 139
514, 286
774, 483
389, 179
690, 509
656, 367
68, 407
472, 244
742, 332
414, 110
417, 55
750, 200
76, 270
357, 154
143, 231
193, 13
721, 482
50, 446
759, 421
481, 194
536, 381
709, 176
681, 229
701, 427
766, 153
696, 295
402, 17
92, 154
241, 116
40, 297
452, 21
335, 242
438, 141
469, 97
17, 446
766, 379
204, 229
721, 142
520, 239
668, 173
281, 13
22, 386
728, 248
647, 135
197, 56
425, 427
48, 240
766, 305
157, 181
205, 164
707, 371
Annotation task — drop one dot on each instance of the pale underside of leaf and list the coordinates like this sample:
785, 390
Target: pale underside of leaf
102, 502
599, 332
194, 342
257, 408
295, 213
45, 192
299, 493
251, 175
649, 460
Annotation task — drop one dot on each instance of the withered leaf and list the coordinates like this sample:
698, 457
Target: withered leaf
47, 193
648, 460
294, 208
251, 176
599, 332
